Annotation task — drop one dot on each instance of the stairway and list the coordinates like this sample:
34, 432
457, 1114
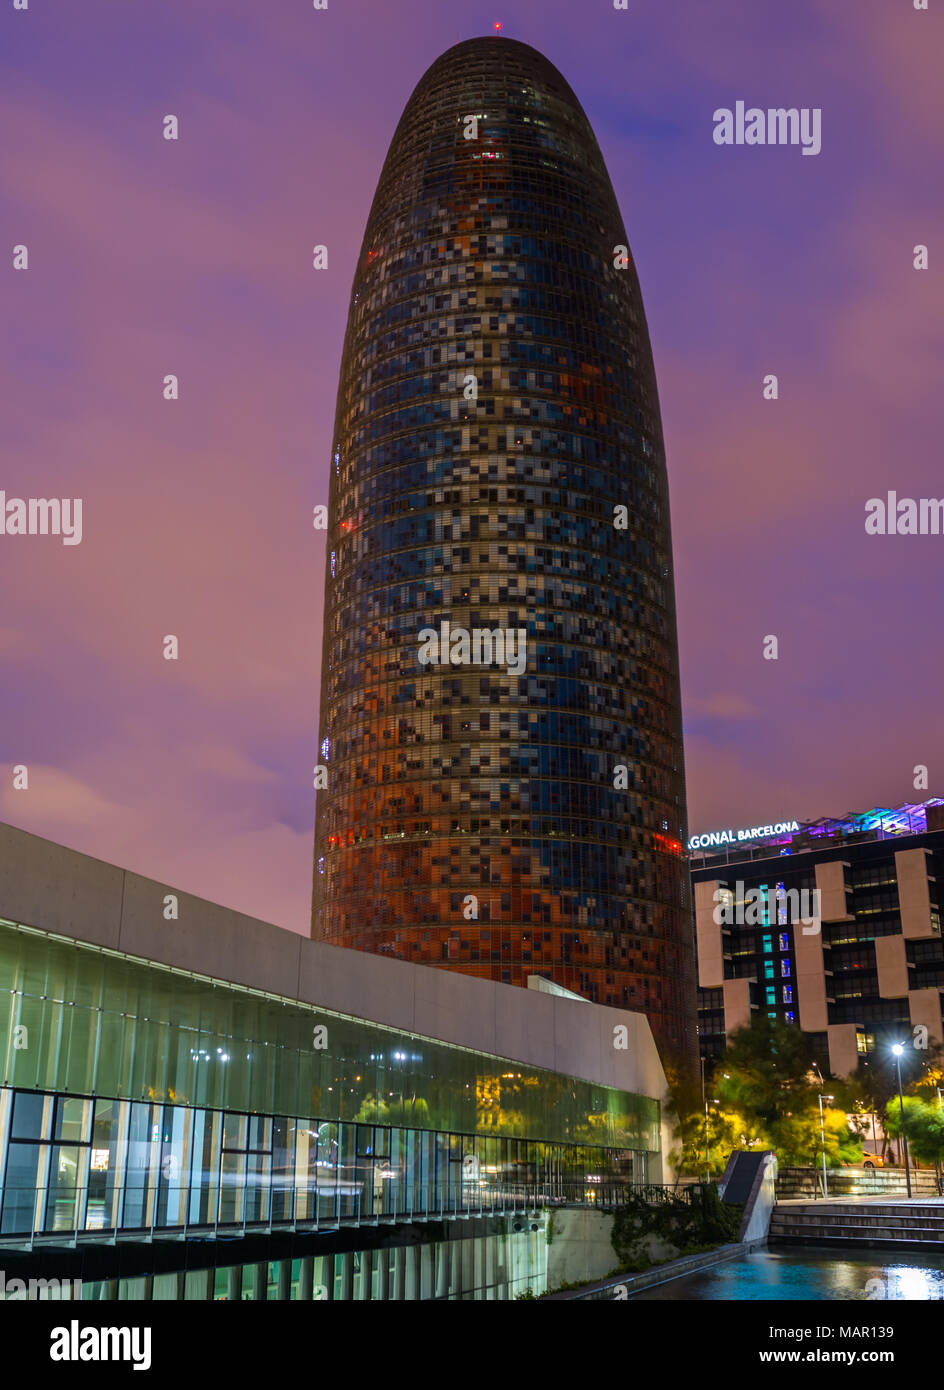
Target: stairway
877, 1183
902, 1225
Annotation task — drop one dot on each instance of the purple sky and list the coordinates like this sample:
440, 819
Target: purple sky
149, 257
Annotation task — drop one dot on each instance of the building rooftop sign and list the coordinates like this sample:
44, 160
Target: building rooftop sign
881, 823
754, 832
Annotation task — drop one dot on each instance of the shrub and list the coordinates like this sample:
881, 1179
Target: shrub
690, 1226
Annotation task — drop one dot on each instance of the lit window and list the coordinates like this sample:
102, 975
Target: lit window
781, 903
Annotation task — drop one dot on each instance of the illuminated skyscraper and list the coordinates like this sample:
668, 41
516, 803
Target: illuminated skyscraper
525, 813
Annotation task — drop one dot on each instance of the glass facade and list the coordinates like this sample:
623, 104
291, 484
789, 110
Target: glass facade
493, 1266
135, 1097
766, 953
507, 799
82, 1165
763, 951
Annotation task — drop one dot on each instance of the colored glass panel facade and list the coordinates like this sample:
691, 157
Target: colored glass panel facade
497, 405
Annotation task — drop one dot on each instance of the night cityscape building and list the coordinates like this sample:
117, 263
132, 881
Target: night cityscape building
500, 716
875, 968
211, 1107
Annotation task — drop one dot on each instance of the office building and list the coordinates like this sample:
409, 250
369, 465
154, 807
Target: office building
500, 728
196, 1104
868, 968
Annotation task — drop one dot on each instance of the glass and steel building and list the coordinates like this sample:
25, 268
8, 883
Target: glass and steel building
500, 720
244, 1128
867, 963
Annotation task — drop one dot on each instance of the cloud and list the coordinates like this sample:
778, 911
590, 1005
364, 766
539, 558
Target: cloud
729, 705
198, 826
55, 803
149, 257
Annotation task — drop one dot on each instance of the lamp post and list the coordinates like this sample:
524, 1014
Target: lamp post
822, 1132
705, 1099
898, 1049
714, 1101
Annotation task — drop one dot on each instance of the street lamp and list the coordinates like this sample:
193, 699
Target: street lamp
822, 1131
715, 1101
704, 1098
898, 1049
707, 1148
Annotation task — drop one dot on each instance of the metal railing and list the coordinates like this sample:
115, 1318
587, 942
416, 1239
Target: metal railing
57, 1214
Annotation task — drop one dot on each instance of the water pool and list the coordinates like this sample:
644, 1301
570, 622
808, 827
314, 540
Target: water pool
812, 1274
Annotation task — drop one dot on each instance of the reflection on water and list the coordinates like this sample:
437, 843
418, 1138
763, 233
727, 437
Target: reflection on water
810, 1274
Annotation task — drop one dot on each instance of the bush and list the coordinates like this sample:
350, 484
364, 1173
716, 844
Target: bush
688, 1226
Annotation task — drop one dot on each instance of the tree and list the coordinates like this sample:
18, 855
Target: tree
766, 1071
768, 1078
687, 1112
705, 1143
875, 1081
843, 1145
931, 1078
374, 1109
927, 1138
924, 1130
769, 1096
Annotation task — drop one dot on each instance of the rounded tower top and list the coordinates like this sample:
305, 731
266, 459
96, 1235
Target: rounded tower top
500, 712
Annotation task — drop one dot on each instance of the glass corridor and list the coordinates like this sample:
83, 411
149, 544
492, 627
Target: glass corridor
75, 1166
81, 1020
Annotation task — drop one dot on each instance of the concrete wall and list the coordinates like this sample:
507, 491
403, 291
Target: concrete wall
831, 886
808, 946
708, 938
892, 966
924, 1007
737, 1004
843, 1048
911, 870
581, 1247
760, 1205
58, 890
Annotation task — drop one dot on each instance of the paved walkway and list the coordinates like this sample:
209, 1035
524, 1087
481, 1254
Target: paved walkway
874, 1199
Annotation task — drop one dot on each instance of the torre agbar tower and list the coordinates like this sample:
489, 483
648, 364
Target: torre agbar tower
500, 728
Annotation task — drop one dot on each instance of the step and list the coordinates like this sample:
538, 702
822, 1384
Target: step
861, 1217
811, 1194
933, 1211
853, 1233
855, 1218
853, 1243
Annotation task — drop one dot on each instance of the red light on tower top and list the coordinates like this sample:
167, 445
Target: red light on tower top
497, 26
